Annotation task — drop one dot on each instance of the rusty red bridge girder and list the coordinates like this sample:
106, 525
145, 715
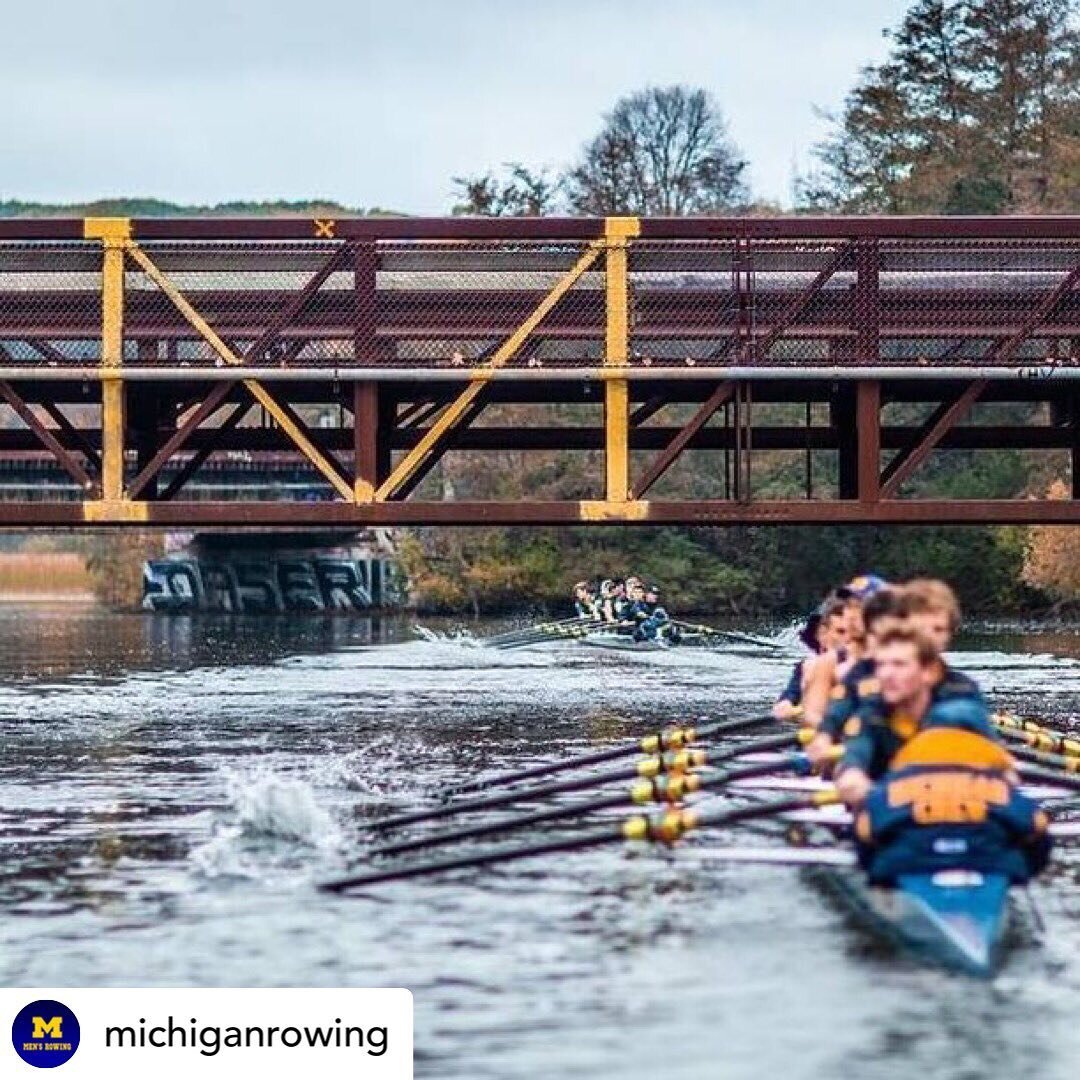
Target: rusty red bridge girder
143, 360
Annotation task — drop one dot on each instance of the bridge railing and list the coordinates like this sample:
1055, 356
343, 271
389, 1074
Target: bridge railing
449, 293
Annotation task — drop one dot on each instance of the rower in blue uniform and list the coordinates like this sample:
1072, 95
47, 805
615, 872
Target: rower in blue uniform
655, 623
949, 801
914, 692
823, 633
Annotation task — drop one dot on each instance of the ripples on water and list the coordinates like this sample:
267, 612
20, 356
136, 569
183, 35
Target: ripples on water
170, 790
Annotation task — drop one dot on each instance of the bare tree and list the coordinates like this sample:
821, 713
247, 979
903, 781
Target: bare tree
515, 192
663, 151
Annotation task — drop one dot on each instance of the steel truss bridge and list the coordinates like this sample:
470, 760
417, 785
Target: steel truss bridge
144, 361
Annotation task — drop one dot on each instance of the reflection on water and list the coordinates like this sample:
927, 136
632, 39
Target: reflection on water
171, 788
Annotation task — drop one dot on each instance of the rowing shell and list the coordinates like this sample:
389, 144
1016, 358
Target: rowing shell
623, 642
954, 919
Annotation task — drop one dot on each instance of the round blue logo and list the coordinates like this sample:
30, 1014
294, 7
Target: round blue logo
45, 1034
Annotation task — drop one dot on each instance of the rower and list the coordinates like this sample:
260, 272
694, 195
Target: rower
845, 636
619, 609
887, 603
826, 634
813, 636
656, 623
915, 693
949, 801
606, 600
585, 603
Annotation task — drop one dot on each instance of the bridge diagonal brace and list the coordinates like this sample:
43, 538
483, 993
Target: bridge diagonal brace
68, 460
648, 409
73, 434
1005, 350
719, 397
258, 391
198, 459
937, 426
447, 444
464, 402
801, 301
296, 305
213, 401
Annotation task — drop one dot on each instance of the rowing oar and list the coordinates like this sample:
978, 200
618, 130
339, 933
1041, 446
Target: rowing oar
1050, 777
1052, 761
561, 633
1036, 736
668, 787
676, 761
536, 629
730, 635
665, 828
668, 739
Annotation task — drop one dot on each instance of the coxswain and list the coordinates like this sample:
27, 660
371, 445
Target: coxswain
656, 623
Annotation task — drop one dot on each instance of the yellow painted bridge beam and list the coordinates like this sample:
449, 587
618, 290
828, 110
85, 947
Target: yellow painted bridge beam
618, 231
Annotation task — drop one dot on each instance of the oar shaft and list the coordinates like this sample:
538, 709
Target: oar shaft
593, 837
492, 828
669, 739
1051, 777
1052, 761
647, 767
665, 828
662, 788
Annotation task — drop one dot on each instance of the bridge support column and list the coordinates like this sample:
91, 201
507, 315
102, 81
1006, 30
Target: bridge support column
856, 414
369, 440
114, 234
617, 234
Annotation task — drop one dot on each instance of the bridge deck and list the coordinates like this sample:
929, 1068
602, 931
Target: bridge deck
143, 362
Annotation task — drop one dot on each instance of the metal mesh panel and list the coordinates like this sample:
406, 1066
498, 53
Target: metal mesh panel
271, 303
454, 304
956, 303
684, 302
803, 302
50, 303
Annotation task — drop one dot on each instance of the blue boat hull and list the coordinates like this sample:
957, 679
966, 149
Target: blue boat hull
955, 920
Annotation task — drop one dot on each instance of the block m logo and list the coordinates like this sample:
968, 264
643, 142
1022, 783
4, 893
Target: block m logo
47, 1028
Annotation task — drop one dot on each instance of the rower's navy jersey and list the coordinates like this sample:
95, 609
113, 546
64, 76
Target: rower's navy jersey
948, 804
793, 690
584, 610
875, 733
857, 686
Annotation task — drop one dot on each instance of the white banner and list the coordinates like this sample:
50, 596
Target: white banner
166, 1033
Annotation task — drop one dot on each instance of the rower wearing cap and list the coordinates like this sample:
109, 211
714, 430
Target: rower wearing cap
820, 632
656, 622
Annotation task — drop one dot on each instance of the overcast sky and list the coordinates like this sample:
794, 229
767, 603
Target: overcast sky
381, 104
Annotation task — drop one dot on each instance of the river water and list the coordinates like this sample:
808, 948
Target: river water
171, 789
